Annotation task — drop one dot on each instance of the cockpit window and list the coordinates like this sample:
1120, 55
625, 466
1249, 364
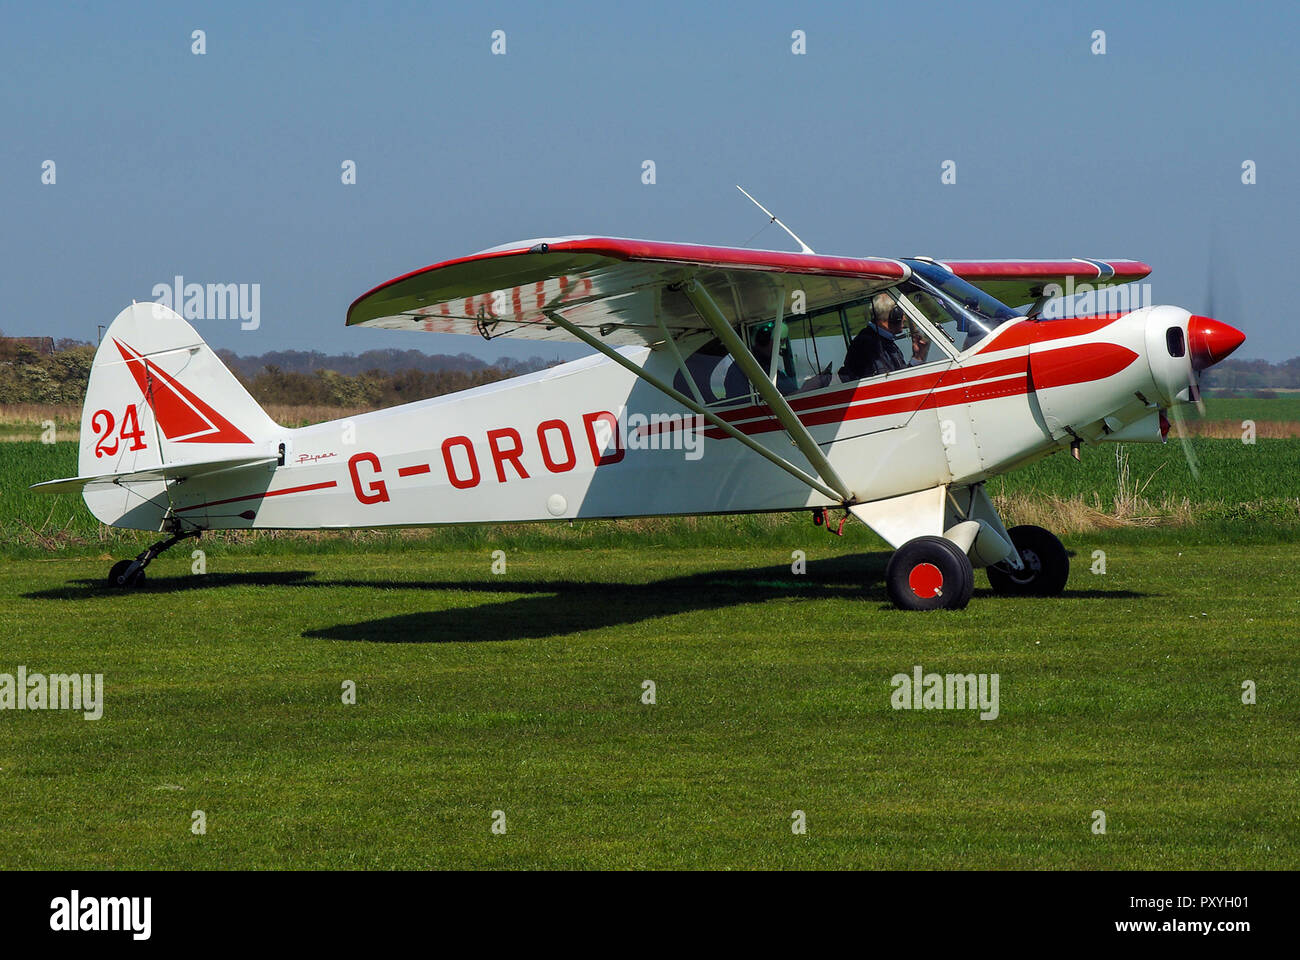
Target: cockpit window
961, 310
868, 337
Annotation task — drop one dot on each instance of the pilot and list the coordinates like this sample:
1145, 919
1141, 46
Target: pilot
873, 351
761, 347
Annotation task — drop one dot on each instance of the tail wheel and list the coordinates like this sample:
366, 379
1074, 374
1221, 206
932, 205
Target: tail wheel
1046, 565
929, 573
117, 575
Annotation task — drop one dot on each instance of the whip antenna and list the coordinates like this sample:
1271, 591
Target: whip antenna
803, 247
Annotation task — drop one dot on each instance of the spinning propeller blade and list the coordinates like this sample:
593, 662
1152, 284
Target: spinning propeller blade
1209, 341
1192, 463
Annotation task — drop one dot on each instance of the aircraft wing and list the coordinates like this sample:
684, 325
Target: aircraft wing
1017, 282
619, 290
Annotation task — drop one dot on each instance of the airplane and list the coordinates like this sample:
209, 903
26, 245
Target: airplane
722, 381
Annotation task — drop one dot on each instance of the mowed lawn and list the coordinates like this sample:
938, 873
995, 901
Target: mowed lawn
522, 693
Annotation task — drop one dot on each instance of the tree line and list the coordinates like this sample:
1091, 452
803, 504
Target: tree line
391, 377
30, 376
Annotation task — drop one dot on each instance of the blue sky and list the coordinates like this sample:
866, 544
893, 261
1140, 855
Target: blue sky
225, 168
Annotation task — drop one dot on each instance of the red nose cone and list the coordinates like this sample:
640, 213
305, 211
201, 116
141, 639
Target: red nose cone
1211, 341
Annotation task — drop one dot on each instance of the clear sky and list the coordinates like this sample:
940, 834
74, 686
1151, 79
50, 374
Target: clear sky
226, 167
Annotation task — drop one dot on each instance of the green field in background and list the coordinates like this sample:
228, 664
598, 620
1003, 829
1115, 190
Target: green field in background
1285, 407
1244, 490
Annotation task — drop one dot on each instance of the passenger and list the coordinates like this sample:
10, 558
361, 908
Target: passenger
736, 381
873, 351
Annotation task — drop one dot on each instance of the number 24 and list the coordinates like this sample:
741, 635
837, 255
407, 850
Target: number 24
134, 434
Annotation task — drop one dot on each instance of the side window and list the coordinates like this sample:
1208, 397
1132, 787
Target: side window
831, 347
758, 336
920, 348
814, 350
883, 339
941, 315
715, 374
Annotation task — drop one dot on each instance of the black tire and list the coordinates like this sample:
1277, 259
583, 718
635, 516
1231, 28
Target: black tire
115, 576
1047, 565
929, 573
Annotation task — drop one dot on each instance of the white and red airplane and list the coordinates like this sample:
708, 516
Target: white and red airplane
723, 381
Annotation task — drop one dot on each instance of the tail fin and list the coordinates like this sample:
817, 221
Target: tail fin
158, 395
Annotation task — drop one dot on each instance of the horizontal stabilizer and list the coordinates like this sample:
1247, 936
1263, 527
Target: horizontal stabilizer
164, 472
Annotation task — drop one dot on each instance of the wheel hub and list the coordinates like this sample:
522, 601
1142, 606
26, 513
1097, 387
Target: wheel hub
1033, 566
926, 581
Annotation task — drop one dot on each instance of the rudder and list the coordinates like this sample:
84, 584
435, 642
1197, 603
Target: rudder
159, 394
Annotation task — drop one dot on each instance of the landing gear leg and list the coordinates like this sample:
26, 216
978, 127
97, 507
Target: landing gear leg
129, 574
1046, 565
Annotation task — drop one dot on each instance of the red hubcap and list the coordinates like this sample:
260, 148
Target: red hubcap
925, 580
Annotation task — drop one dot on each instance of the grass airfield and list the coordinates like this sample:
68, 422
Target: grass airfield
523, 692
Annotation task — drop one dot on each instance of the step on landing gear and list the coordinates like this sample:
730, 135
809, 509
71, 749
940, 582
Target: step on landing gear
1046, 565
929, 573
822, 518
129, 574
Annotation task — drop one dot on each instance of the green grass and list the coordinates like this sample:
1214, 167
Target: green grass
1230, 471
1283, 408
522, 693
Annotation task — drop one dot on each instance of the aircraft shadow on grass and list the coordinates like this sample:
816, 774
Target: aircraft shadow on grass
557, 607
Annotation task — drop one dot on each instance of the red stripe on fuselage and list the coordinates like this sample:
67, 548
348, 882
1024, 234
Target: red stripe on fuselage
984, 381
886, 389
258, 496
1022, 333
1079, 364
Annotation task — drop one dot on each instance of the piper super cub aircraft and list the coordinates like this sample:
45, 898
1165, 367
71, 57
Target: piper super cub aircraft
723, 381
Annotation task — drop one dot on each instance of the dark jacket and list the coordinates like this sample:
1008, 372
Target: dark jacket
871, 353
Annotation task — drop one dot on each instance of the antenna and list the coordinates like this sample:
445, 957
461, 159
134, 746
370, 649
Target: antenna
803, 247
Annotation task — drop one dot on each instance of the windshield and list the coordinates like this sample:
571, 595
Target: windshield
962, 311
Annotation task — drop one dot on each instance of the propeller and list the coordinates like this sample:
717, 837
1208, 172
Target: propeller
1209, 341
1192, 463
1194, 389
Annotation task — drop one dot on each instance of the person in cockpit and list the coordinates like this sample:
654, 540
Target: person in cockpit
761, 347
873, 351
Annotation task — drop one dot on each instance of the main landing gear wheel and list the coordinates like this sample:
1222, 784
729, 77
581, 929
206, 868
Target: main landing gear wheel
117, 576
1047, 565
929, 573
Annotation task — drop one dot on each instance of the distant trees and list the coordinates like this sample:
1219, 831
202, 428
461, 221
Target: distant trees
389, 361
1249, 376
371, 388
27, 376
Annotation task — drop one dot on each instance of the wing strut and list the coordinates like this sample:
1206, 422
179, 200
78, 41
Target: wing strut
689, 404
709, 312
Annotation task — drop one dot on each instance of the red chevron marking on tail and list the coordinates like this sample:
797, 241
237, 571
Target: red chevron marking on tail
182, 416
